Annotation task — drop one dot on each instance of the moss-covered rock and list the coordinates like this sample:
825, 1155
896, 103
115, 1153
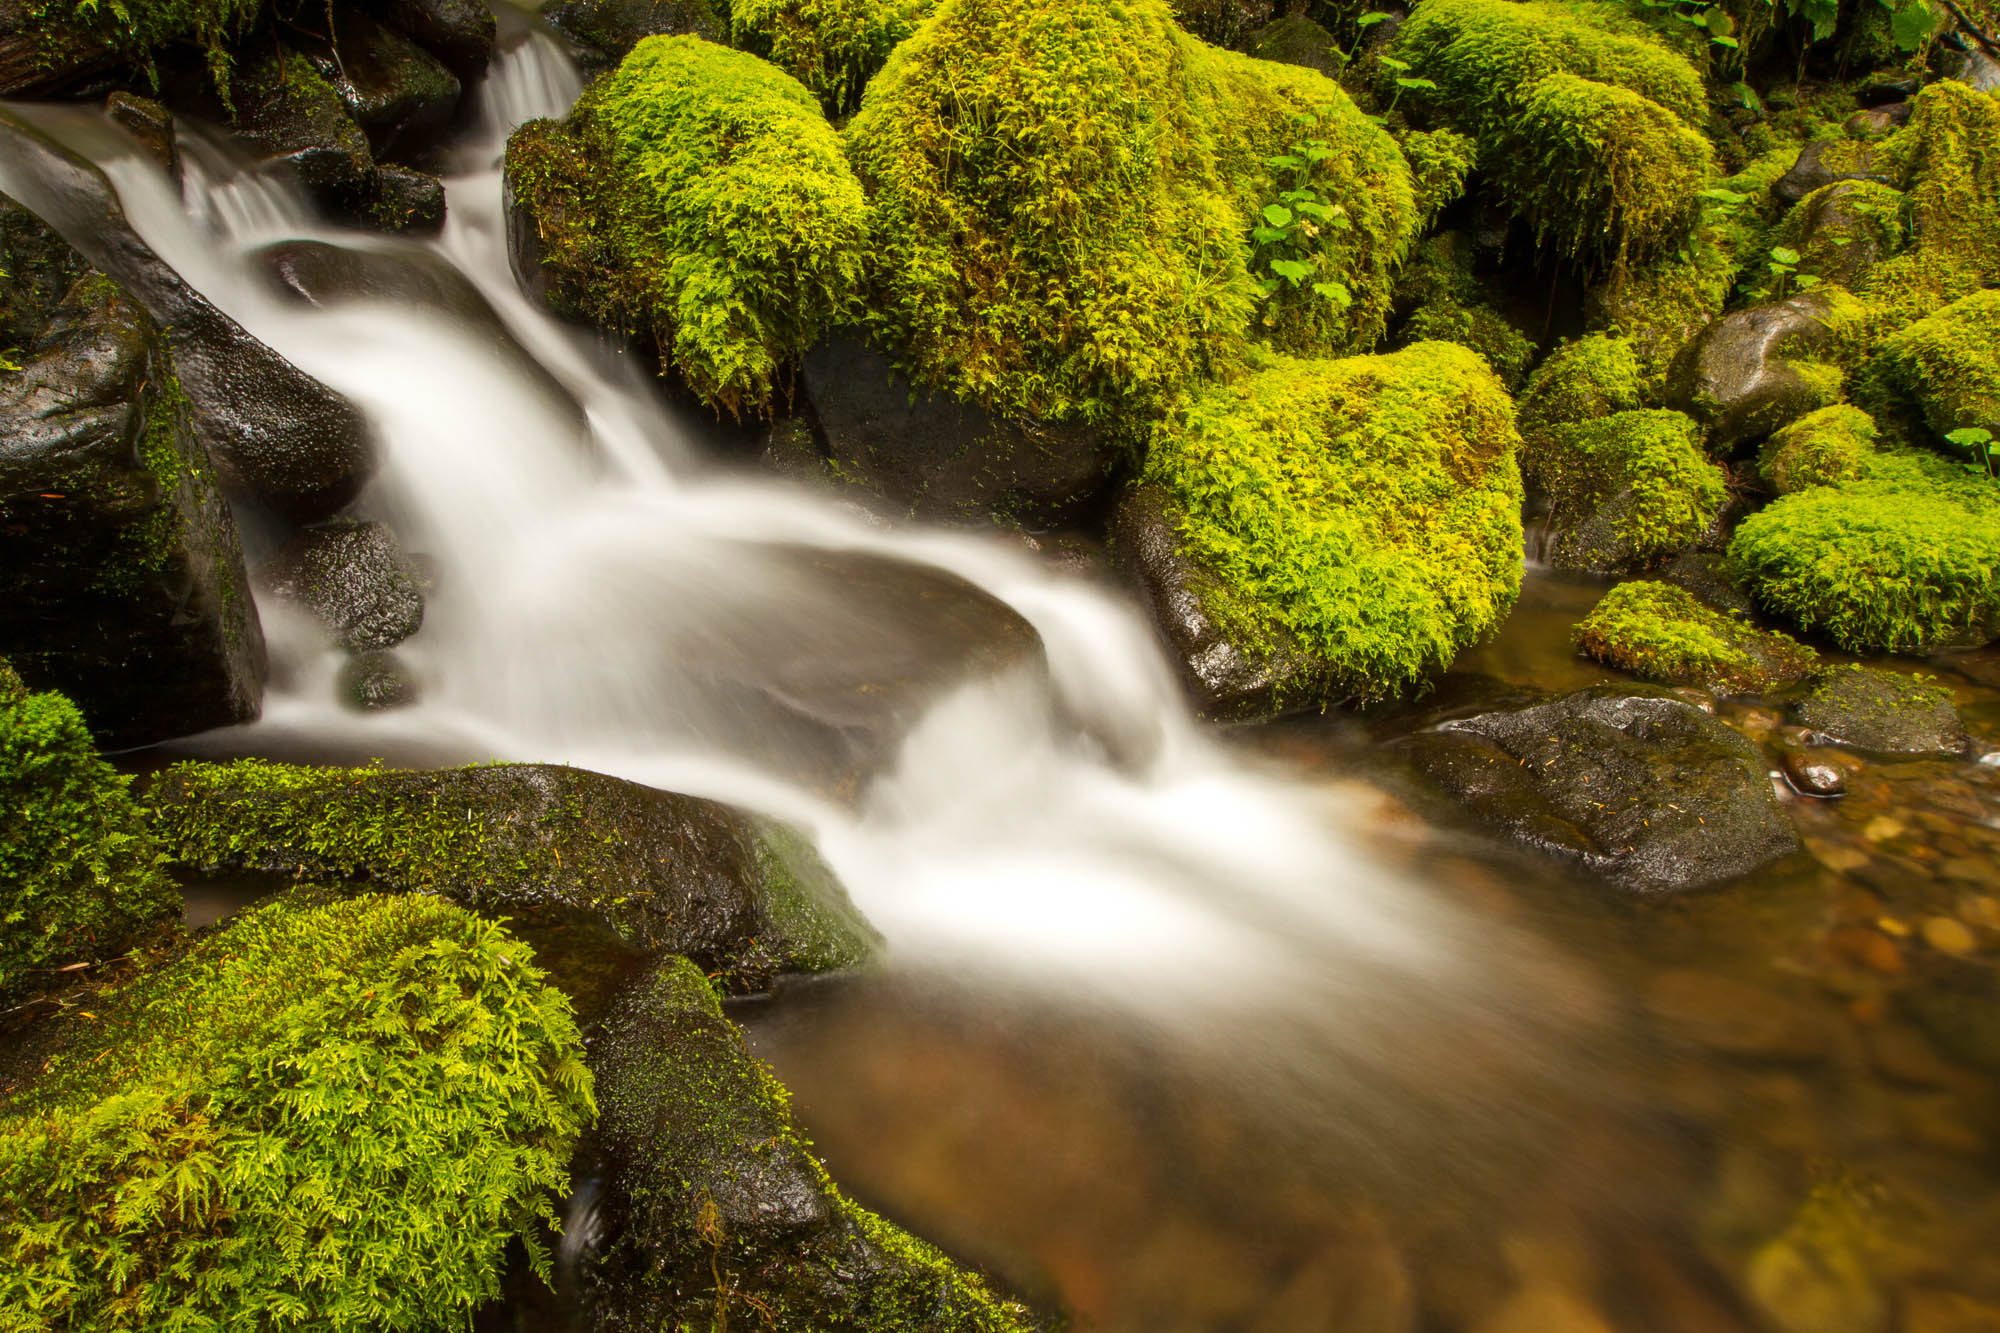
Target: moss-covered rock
54, 45
1585, 119
1948, 365
1065, 198
664, 873
1842, 231
833, 47
1447, 305
696, 196
1664, 633
1363, 513
1582, 380
1824, 448
1905, 560
325, 1117
79, 872
1881, 712
1753, 371
718, 1211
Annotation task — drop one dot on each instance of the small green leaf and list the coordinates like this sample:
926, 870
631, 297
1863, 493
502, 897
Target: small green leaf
1335, 292
1415, 83
1784, 255
1390, 62
1371, 18
1278, 215
1291, 270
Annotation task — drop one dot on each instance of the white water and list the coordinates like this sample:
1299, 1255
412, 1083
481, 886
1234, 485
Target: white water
599, 598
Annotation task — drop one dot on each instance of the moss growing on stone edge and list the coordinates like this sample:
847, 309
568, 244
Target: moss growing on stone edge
136, 31
833, 47
698, 197
79, 871
324, 1117
1906, 560
1065, 195
1367, 510
1948, 365
1824, 448
725, 1216
1665, 633
1449, 307
1643, 473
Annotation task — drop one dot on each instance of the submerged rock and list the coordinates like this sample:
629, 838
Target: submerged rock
121, 581
715, 1206
664, 873
1639, 786
276, 435
1882, 712
354, 579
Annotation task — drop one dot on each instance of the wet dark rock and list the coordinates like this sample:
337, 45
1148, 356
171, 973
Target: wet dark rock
354, 580
149, 123
400, 95
943, 458
40, 58
1884, 92
376, 682
704, 1173
1226, 684
296, 121
275, 435
40, 269
1813, 774
607, 30
1634, 784
459, 33
324, 275
1874, 122
1297, 40
1882, 712
790, 449
1735, 380
121, 580
1969, 66
1821, 163
660, 872
406, 200
1706, 575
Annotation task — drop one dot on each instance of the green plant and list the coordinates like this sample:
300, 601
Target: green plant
1664, 633
1286, 229
1977, 443
1783, 267
325, 1117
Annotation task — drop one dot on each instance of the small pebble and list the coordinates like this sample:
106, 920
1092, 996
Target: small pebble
1948, 936
1981, 910
1882, 828
1889, 925
1811, 775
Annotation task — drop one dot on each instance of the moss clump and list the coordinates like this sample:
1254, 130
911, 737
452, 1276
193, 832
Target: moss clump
727, 1214
1906, 560
833, 47
1449, 309
1064, 200
324, 1117
1584, 119
1948, 364
697, 196
1440, 160
1824, 448
1665, 633
1366, 510
1639, 476
79, 872
1582, 380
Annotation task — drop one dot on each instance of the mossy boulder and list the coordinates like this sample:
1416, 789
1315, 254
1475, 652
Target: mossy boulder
79, 871
1842, 231
400, 95
1068, 201
1582, 380
121, 578
57, 45
324, 1117
696, 197
1753, 371
1446, 303
1627, 490
1359, 517
1948, 365
1881, 712
1586, 120
660, 872
1664, 633
289, 115
833, 47
1906, 560
1633, 783
1825, 448
716, 1209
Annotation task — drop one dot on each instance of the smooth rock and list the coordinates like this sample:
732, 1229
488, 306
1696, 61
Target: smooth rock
940, 457
354, 579
1814, 775
1877, 122
1632, 783
1734, 380
283, 109
1813, 171
1948, 935
321, 274
1971, 66
1880, 712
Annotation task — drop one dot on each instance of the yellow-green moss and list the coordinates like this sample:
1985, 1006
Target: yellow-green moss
325, 1117
1064, 197
1948, 365
1581, 380
1448, 308
1665, 633
1823, 448
832, 47
698, 196
1439, 162
1651, 462
1366, 509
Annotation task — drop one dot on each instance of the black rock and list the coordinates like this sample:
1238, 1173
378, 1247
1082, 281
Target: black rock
458, 32
121, 580
354, 580
1814, 170
320, 274
400, 95
276, 436
286, 111
1734, 378
406, 201
1883, 92
607, 30
1635, 784
1706, 575
1881, 712
941, 457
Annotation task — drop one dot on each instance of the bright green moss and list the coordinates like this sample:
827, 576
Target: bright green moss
1582, 380
79, 872
1665, 633
1651, 463
1824, 448
327, 1117
697, 195
1440, 160
1826, 226
832, 47
1448, 308
1064, 196
1906, 560
1367, 510
1948, 365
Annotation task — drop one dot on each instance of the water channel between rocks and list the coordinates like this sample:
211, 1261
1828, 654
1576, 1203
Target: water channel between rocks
1180, 1029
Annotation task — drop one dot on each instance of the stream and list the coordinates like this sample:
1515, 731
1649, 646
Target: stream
1179, 1029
